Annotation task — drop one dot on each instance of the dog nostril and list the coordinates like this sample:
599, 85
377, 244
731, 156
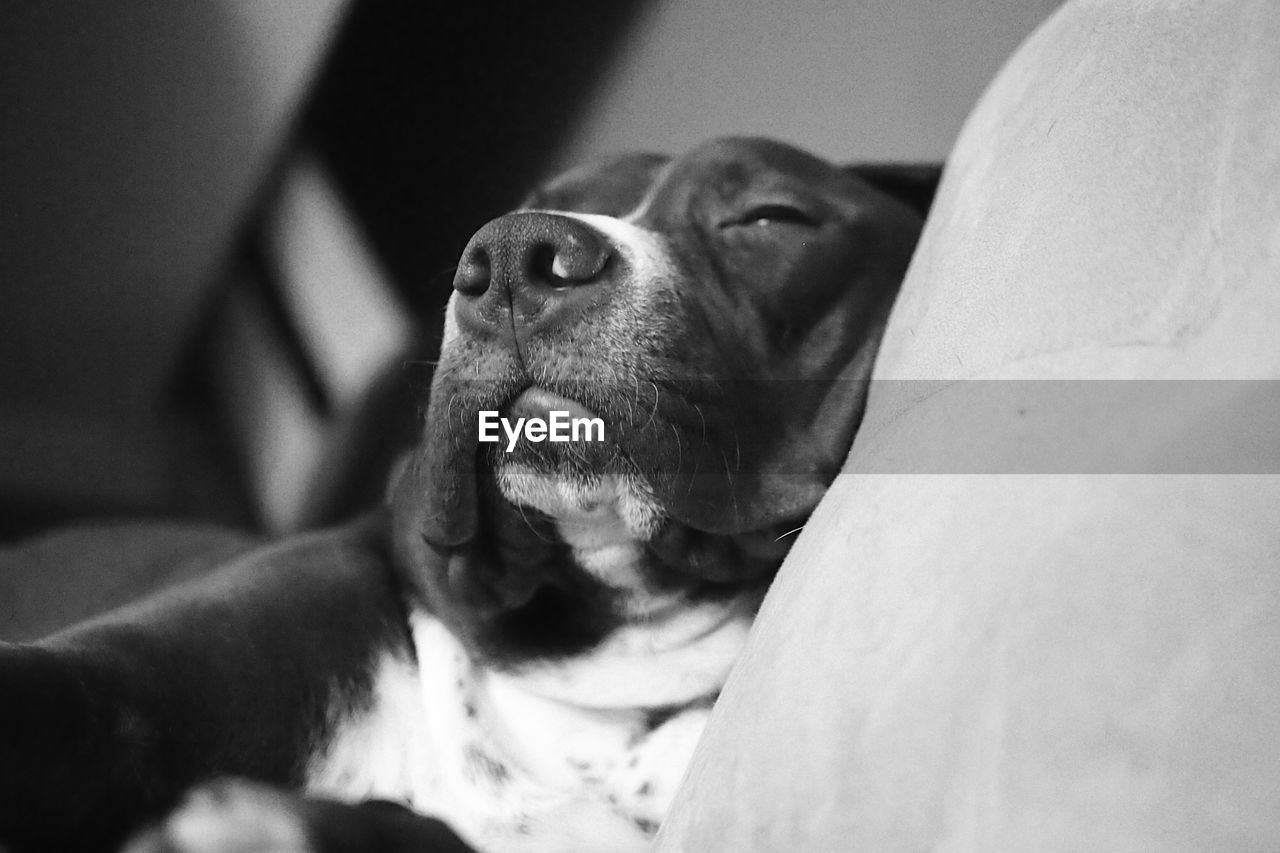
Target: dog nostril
572, 261
472, 277
577, 265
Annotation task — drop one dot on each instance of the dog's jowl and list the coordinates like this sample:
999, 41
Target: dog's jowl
525, 644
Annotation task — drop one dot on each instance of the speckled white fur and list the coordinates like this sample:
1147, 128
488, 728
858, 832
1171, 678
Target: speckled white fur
560, 756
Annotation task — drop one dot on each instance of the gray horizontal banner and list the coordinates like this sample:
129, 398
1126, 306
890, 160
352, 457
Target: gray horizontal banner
924, 427
1071, 426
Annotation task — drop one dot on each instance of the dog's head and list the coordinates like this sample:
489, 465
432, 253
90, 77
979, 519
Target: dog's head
718, 313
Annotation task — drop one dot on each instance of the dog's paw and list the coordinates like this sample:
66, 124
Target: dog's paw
228, 816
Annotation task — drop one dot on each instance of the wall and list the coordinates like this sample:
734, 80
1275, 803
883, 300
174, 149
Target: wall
881, 79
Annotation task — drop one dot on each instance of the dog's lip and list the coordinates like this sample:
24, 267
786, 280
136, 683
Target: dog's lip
539, 402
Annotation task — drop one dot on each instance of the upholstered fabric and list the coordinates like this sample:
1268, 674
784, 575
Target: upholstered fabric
1065, 636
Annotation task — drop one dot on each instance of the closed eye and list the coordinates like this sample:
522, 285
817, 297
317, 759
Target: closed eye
773, 214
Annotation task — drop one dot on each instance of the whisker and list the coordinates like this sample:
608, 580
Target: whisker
435, 278
788, 533
680, 456
654, 413
733, 486
729, 473
703, 418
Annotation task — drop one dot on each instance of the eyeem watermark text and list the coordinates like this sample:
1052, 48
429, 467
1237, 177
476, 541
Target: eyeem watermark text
560, 427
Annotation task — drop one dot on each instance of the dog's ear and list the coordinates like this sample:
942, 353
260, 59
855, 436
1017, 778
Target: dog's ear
913, 184
434, 510
612, 186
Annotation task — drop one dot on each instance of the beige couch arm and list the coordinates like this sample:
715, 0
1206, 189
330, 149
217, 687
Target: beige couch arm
1065, 637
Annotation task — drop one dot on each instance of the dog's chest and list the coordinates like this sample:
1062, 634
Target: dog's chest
513, 766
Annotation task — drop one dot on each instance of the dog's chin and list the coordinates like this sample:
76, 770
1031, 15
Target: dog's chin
620, 534
570, 495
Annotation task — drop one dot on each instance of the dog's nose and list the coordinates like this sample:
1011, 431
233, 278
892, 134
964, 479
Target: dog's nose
534, 262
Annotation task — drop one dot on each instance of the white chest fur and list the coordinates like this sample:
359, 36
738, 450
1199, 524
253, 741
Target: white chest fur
582, 755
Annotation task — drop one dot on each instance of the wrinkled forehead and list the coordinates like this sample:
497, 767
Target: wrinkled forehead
715, 173
733, 165
729, 175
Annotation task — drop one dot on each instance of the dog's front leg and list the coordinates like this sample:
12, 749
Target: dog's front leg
75, 751
104, 726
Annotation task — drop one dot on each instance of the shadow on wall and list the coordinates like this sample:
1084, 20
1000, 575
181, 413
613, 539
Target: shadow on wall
433, 124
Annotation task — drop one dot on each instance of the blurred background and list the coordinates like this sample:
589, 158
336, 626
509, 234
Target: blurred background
229, 225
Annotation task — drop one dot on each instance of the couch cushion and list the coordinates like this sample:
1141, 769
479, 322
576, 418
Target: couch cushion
1063, 631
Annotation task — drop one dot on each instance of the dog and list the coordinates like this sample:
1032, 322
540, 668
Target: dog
524, 645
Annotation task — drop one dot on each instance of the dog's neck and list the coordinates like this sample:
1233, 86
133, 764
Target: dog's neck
617, 723
668, 651
676, 658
